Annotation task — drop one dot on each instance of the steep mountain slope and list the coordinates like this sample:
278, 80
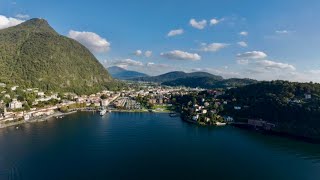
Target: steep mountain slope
123, 74
33, 54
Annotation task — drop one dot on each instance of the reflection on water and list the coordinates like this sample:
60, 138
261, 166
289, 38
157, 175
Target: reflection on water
149, 146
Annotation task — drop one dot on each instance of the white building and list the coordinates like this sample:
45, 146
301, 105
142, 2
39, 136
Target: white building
228, 119
237, 107
14, 88
105, 102
40, 94
307, 96
196, 117
15, 104
207, 119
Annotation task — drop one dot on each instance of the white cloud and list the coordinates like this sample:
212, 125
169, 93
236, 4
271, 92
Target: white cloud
270, 70
283, 32
215, 21
181, 55
91, 40
124, 63
150, 68
6, 22
148, 53
138, 53
175, 32
223, 71
213, 47
242, 44
315, 71
150, 64
252, 55
267, 64
244, 33
22, 16
198, 24
141, 53
243, 61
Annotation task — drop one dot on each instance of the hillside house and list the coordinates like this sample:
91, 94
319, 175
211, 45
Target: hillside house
15, 104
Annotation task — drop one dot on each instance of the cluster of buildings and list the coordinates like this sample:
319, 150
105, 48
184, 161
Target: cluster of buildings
207, 110
9, 116
127, 103
100, 99
15, 110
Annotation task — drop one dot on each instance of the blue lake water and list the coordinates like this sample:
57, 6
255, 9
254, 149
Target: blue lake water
149, 146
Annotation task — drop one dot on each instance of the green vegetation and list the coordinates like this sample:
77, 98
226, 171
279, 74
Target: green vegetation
280, 102
72, 107
162, 108
144, 101
32, 55
186, 105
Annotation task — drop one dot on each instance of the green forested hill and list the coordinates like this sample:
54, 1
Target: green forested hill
32, 54
280, 102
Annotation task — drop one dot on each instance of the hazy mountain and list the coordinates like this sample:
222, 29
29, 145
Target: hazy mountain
121, 73
33, 54
171, 76
209, 82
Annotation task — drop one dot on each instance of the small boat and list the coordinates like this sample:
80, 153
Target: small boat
220, 124
103, 112
172, 114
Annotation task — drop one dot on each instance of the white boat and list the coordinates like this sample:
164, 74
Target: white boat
220, 124
103, 112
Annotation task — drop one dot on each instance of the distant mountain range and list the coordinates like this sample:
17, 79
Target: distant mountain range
123, 74
195, 79
34, 55
171, 76
208, 82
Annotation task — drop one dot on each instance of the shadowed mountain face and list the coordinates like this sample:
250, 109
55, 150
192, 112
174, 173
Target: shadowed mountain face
121, 73
33, 54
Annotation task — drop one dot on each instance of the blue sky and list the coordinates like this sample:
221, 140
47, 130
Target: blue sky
281, 41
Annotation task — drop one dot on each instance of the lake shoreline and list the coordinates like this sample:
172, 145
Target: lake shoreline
61, 114
279, 134
35, 120
268, 133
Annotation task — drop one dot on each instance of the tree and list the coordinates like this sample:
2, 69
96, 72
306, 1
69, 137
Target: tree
104, 96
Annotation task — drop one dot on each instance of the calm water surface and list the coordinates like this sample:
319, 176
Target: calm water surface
149, 146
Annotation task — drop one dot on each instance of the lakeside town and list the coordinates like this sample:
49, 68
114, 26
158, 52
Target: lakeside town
19, 105
195, 105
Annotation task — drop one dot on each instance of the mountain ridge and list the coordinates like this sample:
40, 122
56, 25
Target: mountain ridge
195, 79
170, 76
123, 74
33, 54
